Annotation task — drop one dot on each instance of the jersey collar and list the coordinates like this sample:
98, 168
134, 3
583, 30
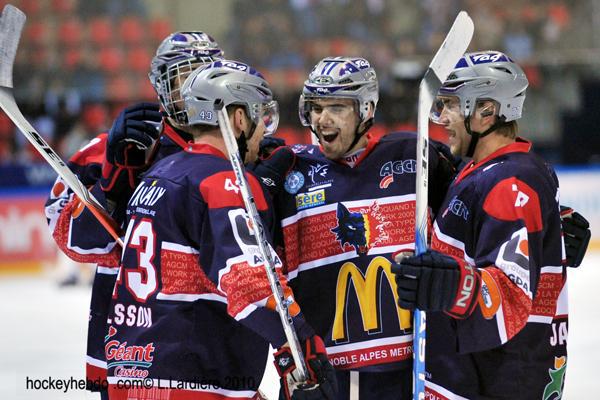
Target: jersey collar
371, 142
190, 146
519, 146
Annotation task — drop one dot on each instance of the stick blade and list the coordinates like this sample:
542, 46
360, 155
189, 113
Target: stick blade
454, 46
11, 26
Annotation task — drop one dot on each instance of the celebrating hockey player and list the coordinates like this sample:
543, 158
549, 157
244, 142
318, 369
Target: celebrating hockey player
345, 208
190, 265
493, 282
110, 165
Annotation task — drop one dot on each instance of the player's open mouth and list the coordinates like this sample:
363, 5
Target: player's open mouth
329, 136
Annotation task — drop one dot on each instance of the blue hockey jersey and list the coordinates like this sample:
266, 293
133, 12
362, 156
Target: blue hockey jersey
502, 216
192, 312
341, 225
80, 236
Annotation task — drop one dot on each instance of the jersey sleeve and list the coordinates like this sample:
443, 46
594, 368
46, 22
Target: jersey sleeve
512, 250
237, 267
73, 227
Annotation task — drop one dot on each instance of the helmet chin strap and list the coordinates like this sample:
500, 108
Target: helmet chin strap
242, 141
475, 136
359, 134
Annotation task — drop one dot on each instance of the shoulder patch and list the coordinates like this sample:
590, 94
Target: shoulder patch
511, 200
92, 152
221, 190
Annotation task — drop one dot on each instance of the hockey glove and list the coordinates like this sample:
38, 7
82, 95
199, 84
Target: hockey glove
433, 281
576, 234
133, 132
267, 145
273, 170
321, 382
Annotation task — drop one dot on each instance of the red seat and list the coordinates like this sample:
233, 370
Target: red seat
29, 7
101, 31
63, 6
131, 30
110, 59
138, 60
72, 58
144, 89
160, 28
36, 32
70, 32
119, 88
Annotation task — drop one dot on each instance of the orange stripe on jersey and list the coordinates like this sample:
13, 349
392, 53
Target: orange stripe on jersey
220, 191
511, 200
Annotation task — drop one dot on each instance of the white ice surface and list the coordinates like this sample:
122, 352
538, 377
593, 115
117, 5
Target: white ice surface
43, 330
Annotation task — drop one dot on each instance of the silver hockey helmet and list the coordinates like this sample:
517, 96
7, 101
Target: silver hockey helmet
488, 75
176, 57
235, 83
340, 77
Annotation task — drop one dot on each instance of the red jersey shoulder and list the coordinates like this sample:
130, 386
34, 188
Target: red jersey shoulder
220, 190
92, 152
511, 199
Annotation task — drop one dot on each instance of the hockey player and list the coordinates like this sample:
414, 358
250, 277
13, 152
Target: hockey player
203, 312
493, 282
109, 165
345, 208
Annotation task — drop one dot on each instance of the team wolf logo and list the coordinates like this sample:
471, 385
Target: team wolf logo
362, 229
351, 229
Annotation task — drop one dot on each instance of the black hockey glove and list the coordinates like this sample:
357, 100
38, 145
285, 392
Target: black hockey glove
273, 170
321, 383
576, 233
434, 281
267, 145
133, 132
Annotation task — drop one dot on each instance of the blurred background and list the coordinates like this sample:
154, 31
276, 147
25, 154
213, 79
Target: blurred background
80, 62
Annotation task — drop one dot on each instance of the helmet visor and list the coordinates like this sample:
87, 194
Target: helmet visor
442, 106
269, 113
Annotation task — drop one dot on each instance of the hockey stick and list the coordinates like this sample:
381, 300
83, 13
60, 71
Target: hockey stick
263, 246
453, 47
11, 25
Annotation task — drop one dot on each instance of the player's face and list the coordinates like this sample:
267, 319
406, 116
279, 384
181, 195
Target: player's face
449, 115
335, 122
254, 141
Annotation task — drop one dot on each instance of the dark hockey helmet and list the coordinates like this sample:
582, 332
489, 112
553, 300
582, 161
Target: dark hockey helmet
488, 75
235, 83
340, 77
176, 57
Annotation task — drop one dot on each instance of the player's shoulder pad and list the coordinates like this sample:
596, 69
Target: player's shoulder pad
398, 137
512, 199
220, 190
92, 152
